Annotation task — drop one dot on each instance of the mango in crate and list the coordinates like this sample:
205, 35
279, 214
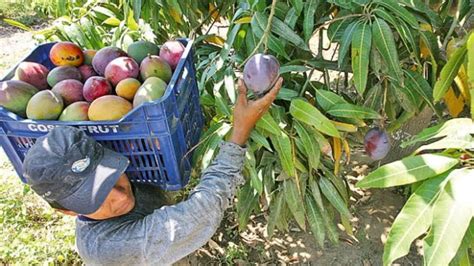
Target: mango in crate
152, 89
66, 54
61, 73
155, 66
70, 90
121, 68
96, 87
108, 107
75, 112
171, 52
45, 105
104, 56
127, 88
87, 71
141, 49
33, 73
15, 95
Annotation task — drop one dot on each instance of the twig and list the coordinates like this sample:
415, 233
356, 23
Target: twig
194, 30
453, 25
334, 20
264, 38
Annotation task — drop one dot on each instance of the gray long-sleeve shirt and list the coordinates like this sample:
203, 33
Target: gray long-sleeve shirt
152, 234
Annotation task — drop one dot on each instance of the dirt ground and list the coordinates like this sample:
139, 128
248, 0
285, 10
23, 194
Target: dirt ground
374, 211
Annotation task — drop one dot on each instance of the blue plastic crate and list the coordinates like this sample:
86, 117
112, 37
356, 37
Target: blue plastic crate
156, 136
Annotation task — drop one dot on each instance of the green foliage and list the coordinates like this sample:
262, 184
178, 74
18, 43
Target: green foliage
389, 55
442, 201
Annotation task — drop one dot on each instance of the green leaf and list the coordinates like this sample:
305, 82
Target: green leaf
306, 113
284, 149
112, 21
361, 44
337, 182
292, 68
281, 29
452, 214
332, 231
457, 126
310, 146
248, 200
408, 99
407, 171
229, 84
352, 111
291, 18
416, 82
448, 73
274, 44
17, 24
286, 94
400, 11
294, 201
431, 41
298, 4
315, 220
470, 59
385, 43
327, 99
463, 142
413, 220
333, 196
267, 123
346, 42
131, 23
462, 256
260, 139
308, 23
276, 207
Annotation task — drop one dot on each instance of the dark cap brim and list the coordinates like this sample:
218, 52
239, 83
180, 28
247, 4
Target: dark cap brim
92, 193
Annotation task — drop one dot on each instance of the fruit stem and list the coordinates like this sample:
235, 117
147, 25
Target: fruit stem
264, 39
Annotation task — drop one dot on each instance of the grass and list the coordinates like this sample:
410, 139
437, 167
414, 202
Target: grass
32, 233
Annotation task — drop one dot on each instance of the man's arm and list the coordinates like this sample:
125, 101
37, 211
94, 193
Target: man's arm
184, 227
172, 232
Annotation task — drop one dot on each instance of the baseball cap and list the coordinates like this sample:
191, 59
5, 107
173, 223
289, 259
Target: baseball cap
70, 170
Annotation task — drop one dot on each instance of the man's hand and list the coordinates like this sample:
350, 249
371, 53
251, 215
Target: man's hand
247, 113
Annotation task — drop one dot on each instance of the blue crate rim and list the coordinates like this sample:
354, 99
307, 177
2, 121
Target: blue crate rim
167, 94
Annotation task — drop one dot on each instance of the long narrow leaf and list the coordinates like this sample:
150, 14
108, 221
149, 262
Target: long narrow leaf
315, 220
276, 207
408, 170
452, 214
280, 28
457, 126
282, 145
346, 42
385, 43
416, 82
413, 220
333, 196
448, 73
308, 22
306, 113
311, 146
352, 111
399, 10
294, 201
361, 44
470, 59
